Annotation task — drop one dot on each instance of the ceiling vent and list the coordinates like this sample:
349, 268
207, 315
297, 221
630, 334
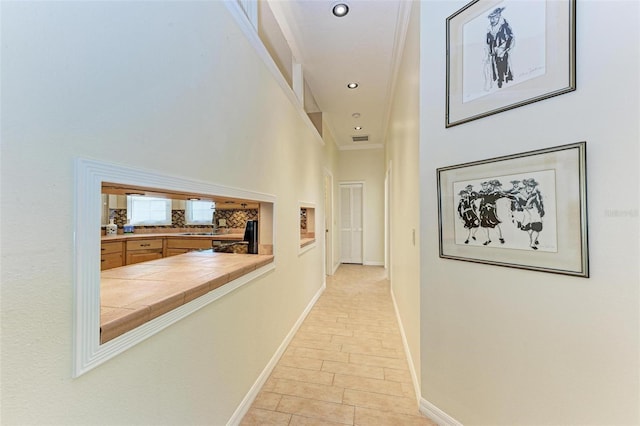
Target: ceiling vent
364, 138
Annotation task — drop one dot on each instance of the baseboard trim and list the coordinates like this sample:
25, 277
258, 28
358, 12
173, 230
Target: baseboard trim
244, 406
412, 370
372, 263
436, 414
425, 407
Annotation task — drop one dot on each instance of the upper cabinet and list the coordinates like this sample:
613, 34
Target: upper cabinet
117, 201
236, 206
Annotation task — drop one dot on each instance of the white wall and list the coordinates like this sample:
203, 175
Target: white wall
367, 165
504, 346
165, 86
402, 148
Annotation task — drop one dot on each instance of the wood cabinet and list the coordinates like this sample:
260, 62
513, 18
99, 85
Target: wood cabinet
143, 250
117, 201
237, 206
111, 255
128, 251
183, 245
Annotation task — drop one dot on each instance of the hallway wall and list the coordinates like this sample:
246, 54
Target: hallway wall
172, 87
503, 346
402, 157
367, 165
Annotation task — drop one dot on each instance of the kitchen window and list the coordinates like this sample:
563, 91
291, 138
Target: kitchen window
199, 212
148, 210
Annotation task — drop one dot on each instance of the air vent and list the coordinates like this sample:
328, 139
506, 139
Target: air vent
360, 138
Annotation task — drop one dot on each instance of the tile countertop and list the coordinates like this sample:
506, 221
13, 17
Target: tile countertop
306, 241
134, 294
307, 238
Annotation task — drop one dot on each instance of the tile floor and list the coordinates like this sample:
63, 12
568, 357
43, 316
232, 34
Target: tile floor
346, 365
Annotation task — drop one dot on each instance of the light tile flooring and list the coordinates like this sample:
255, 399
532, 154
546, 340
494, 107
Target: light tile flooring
346, 365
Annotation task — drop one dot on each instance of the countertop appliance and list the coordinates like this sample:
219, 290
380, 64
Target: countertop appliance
251, 236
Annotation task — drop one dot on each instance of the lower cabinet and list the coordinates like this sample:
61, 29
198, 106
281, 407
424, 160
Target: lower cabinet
111, 255
120, 253
183, 245
143, 250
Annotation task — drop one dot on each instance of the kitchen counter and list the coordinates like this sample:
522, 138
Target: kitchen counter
134, 294
307, 238
306, 241
234, 236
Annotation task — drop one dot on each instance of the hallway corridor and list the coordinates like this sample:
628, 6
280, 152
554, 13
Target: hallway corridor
346, 365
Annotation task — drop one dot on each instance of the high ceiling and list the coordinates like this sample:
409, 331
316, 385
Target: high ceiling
363, 47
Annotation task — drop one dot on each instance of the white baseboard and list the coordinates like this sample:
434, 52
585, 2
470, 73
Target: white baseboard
425, 407
412, 370
436, 414
244, 406
372, 263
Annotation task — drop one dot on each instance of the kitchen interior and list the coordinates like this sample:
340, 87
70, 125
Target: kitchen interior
149, 269
307, 225
223, 230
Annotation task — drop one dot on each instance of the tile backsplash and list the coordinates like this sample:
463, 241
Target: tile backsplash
119, 216
303, 220
234, 219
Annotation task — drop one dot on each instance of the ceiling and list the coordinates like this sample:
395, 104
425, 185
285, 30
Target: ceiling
363, 47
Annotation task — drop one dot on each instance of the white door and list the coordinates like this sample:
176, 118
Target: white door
351, 223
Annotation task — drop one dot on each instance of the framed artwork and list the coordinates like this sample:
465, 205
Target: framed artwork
526, 211
503, 54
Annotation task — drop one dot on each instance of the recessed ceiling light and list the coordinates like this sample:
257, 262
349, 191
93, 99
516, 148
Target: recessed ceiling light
352, 85
356, 115
358, 127
340, 10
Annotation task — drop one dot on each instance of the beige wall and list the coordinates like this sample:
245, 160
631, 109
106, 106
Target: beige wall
367, 165
402, 157
172, 87
504, 346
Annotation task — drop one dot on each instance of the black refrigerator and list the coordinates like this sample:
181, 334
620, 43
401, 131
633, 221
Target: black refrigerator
251, 236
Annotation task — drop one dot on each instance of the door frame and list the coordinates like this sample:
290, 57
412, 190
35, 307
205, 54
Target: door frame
329, 234
363, 239
387, 221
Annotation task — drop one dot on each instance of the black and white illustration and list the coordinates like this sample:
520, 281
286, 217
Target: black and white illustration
511, 212
525, 210
504, 46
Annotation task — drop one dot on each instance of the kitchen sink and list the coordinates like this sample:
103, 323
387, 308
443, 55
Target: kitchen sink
204, 233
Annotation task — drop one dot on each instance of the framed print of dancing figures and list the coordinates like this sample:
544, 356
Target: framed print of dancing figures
503, 54
525, 210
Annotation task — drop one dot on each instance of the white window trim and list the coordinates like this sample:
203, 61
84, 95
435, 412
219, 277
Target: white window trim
88, 353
